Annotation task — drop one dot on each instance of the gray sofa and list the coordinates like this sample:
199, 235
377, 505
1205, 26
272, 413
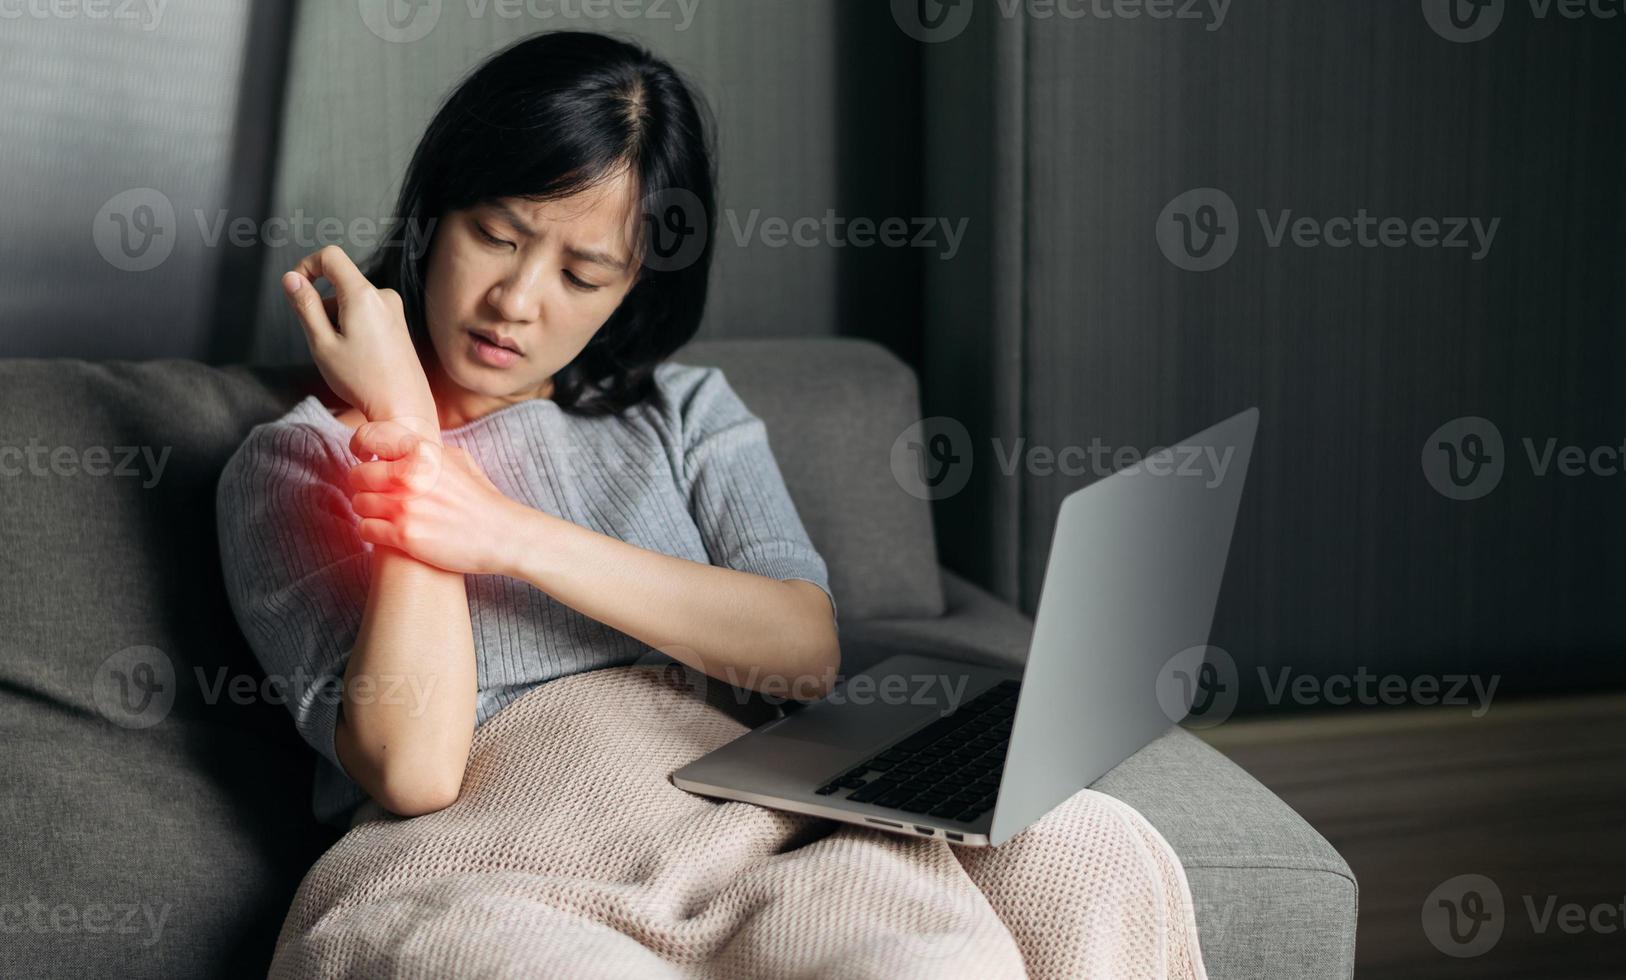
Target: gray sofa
168, 844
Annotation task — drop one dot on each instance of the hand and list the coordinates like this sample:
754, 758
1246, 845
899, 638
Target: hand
360, 340
432, 502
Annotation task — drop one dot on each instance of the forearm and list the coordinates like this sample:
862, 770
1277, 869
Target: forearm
410, 687
749, 630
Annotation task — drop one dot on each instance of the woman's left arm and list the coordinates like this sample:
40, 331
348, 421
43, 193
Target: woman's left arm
751, 631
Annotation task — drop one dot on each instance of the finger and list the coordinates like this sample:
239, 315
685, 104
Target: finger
377, 505
308, 306
406, 477
374, 477
332, 264
386, 439
380, 532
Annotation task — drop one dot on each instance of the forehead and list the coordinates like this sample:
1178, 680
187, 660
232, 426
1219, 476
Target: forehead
602, 214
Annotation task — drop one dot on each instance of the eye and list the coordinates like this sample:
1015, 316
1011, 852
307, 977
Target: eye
578, 283
488, 236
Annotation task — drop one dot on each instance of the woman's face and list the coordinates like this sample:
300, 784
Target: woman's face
516, 288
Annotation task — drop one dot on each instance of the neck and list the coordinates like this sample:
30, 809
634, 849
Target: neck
457, 405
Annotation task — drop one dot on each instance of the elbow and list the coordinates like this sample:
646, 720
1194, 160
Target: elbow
818, 647
404, 779
405, 784
417, 794
820, 679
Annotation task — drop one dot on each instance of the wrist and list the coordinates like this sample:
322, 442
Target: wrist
530, 545
418, 415
412, 400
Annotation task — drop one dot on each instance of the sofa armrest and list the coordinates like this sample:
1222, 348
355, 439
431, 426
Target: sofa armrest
1273, 898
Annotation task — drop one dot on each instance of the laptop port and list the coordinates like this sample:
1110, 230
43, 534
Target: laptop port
926, 830
951, 835
884, 823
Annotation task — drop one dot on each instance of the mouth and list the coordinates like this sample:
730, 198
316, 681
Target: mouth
496, 340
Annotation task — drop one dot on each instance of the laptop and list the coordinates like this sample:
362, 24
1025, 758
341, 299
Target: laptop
972, 753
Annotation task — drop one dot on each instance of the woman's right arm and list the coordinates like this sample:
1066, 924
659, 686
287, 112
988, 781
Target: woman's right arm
407, 709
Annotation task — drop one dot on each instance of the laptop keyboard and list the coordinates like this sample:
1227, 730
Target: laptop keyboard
949, 769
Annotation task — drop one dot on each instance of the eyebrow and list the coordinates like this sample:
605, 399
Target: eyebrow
579, 254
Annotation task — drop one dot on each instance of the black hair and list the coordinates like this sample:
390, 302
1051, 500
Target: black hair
545, 118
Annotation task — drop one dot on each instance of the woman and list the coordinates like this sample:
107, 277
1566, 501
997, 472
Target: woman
550, 494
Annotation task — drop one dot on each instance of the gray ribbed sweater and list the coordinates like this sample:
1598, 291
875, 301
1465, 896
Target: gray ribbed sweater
694, 478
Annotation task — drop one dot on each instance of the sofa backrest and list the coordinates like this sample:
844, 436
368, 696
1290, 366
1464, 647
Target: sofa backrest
833, 409
143, 767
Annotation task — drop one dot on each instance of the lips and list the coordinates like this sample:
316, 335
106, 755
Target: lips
497, 340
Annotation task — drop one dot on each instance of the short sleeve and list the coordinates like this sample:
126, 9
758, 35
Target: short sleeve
737, 496
296, 572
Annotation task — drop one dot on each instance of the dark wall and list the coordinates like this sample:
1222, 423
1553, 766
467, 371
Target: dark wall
1345, 555
159, 116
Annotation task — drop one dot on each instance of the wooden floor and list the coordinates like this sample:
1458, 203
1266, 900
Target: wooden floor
1532, 795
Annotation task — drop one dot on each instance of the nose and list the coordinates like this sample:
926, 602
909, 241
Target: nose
517, 297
